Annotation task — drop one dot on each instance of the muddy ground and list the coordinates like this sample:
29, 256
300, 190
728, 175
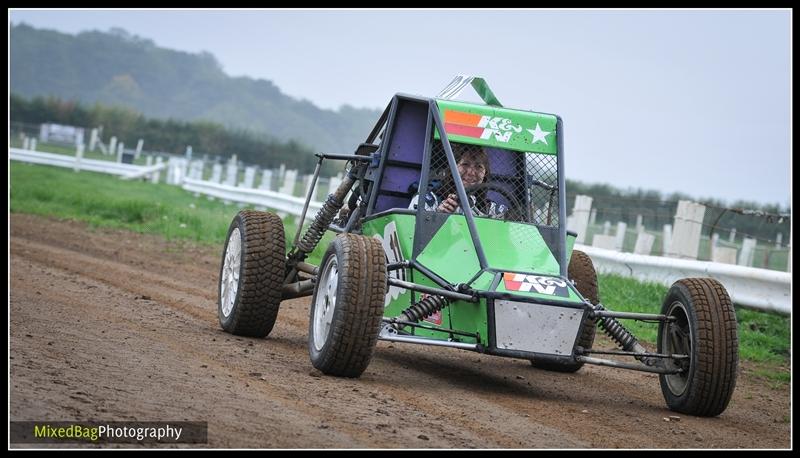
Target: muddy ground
113, 326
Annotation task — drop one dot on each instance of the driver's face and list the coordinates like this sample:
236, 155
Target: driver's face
471, 171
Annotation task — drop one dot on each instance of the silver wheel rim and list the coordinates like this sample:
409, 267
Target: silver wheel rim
325, 302
229, 285
677, 339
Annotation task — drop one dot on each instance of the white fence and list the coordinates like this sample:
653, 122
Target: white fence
262, 197
73, 162
760, 289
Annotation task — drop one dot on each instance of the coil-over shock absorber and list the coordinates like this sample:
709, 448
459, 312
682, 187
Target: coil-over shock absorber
424, 308
622, 336
323, 219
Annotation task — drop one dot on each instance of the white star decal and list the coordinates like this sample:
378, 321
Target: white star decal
538, 134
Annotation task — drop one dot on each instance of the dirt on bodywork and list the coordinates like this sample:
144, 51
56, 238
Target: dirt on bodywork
111, 325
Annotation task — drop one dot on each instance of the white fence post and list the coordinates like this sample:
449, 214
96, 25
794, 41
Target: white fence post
687, 229
139, 146
593, 217
644, 243
112, 145
120, 151
78, 156
748, 250
580, 217
33, 144
619, 238
156, 176
266, 180
93, 137
231, 174
639, 226
196, 170
666, 240
216, 173
732, 237
288, 183
778, 240
714, 244
249, 177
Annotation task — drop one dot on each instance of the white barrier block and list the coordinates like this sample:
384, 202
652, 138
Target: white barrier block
724, 254
156, 176
748, 250
266, 180
580, 217
619, 238
216, 173
644, 243
249, 177
139, 146
666, 240
607, 242
231, 173
687, 229
288, 183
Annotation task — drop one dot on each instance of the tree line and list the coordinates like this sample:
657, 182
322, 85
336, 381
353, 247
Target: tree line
169, 136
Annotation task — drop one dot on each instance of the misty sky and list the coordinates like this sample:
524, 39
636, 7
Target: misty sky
691, 101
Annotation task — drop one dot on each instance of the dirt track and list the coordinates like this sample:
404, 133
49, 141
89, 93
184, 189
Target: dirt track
114, 326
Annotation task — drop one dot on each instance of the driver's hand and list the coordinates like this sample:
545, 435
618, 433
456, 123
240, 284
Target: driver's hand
449, 205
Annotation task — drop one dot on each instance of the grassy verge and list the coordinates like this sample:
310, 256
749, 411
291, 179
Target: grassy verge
106, 201
764, 338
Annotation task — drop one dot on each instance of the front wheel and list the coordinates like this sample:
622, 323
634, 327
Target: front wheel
347, 306
251, 274
704, 328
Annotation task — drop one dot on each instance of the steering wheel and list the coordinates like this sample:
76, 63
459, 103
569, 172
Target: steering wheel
515, 210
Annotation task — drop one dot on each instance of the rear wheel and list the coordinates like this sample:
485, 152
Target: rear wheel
704, 328
347, 306
581, 272
251, 274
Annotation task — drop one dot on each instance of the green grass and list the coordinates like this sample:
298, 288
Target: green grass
106, 201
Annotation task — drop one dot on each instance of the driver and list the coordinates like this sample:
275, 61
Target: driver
473, 167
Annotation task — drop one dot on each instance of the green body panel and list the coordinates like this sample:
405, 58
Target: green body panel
450, 253
483, 282
515, 246
498, 127
470, 317
509, 247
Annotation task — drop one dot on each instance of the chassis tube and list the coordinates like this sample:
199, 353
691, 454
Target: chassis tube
430, 290
621, 365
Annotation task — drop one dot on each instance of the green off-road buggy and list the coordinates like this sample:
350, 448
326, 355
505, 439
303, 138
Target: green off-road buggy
509, 285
